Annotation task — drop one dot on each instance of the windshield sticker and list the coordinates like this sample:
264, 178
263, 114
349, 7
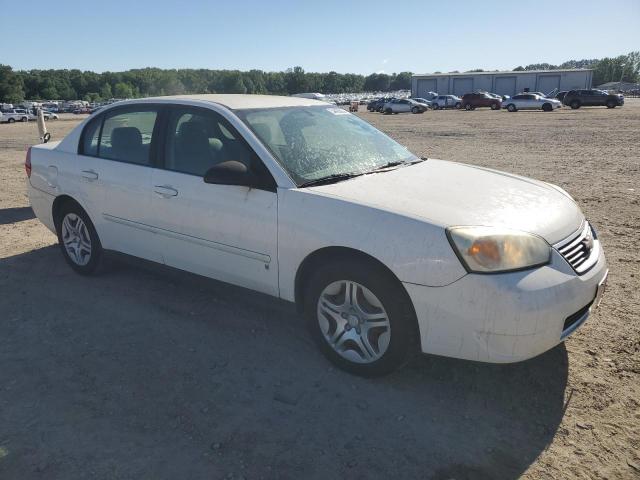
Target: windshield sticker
338, 111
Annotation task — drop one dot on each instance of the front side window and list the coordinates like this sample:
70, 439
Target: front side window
312, 143
198, 139
126, 136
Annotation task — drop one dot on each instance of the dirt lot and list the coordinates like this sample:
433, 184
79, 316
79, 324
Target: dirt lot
147, 373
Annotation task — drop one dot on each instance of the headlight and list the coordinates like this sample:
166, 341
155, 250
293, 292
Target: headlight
493, 249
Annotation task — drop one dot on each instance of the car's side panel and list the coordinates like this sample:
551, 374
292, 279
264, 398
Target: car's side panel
309, 221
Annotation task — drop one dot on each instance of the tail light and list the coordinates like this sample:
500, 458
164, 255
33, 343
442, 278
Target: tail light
27, 163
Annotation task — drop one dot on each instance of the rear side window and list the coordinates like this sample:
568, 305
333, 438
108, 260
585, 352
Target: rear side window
90, 137
126, 136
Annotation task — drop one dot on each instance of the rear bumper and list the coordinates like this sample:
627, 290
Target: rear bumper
508, 317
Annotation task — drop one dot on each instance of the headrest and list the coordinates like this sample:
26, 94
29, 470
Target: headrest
126, 137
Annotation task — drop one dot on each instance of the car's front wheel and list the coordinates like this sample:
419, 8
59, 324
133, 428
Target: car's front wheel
547, 107
495, 106
360, 317
78, 239
24, 119
458, 105
415, 110
468, 107
611, 104
511, 107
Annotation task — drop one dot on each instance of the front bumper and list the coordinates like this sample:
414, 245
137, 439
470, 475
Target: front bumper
508, 317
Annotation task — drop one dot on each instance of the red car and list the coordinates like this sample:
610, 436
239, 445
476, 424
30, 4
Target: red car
470, 101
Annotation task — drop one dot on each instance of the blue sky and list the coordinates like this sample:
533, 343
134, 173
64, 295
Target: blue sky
345, 36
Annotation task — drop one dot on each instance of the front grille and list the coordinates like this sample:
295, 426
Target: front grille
580, 250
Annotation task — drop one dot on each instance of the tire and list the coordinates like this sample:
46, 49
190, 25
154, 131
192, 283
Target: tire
611, 104
468, 107
458, 105
11, 120
78, 239
512, 108
435, 106
24, 119
575, 104
338, 325
388, 111
546, 107
415, 110
495, 106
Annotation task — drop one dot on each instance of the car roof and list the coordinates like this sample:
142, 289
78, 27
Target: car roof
241, 101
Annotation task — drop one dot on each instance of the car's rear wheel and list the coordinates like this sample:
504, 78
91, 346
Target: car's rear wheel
435, 106
511, 107
546, 107
388, 111
360, 317
11, 120
78, 239
611, 104
468, 107
575, 104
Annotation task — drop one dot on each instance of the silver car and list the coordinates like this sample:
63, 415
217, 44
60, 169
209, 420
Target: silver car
530, 101
446, 101
404, 105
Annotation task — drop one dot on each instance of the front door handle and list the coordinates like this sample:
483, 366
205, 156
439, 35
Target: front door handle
165, 191
89, 175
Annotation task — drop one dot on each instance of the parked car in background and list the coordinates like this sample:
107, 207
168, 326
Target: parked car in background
424, 101
446, 101
560, 95
233, 197
15, 115
404, 105
49, 115
471, 101
593, 98
531, 101
81, 110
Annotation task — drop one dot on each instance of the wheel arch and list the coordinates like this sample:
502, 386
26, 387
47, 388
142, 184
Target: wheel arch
59, 202
334, 254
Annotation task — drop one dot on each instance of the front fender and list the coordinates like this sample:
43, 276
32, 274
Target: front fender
414, 250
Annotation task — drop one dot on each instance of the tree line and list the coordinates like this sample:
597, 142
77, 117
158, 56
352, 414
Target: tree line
17, 85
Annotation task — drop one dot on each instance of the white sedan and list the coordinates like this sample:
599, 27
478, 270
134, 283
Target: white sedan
379, 249
530, 101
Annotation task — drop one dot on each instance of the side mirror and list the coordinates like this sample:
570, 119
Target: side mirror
231, 172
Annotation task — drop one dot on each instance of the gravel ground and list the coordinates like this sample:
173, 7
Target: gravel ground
144, 372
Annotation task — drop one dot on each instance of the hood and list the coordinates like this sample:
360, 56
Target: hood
454, 194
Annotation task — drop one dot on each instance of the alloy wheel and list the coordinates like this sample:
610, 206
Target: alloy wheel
353, 321
76, 239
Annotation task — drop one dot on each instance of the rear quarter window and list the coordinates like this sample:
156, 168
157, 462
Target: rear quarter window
90, 137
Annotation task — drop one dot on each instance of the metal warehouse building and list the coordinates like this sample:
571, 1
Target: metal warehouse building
502, 83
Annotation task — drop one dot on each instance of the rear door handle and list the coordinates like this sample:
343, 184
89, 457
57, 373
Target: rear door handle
166, 191
90, 175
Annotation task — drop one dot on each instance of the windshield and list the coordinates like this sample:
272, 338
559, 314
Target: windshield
317, 142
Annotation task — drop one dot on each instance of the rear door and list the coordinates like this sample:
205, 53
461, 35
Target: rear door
226, 232
117, 154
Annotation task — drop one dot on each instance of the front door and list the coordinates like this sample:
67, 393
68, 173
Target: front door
226, 232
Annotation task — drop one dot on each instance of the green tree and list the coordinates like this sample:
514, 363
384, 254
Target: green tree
11, 85
105, 91
123, 90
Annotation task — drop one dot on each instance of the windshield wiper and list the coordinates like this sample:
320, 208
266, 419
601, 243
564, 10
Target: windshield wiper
333, 178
